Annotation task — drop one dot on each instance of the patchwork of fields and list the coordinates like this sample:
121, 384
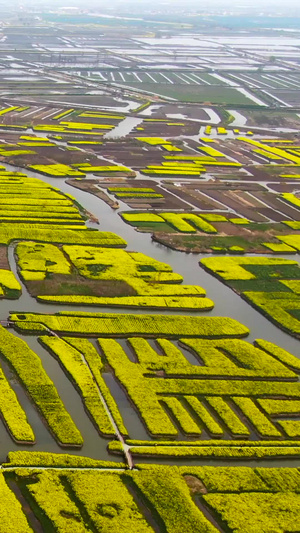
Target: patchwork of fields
149, 274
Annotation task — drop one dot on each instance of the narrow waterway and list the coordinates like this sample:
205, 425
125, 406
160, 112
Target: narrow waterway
123, 128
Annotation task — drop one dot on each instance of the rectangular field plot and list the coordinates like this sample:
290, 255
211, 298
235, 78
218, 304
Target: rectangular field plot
272, 87
267, 80
270, 285
179, 77
242, 499
121, 325
287, 97
187, 91
182, 85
